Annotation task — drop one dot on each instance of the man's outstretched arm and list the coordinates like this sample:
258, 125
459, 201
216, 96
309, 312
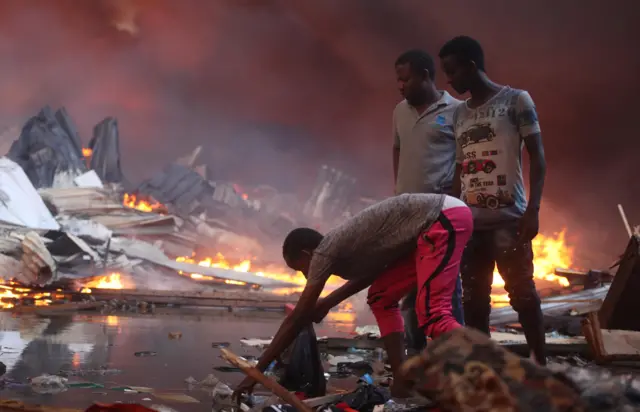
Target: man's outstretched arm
301, 316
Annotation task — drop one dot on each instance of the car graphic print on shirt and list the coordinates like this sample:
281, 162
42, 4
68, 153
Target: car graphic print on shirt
477, 198
482, 132
473, 166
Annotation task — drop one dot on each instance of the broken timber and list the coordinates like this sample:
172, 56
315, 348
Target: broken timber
610, 345
621, 306
582, 302
227, 299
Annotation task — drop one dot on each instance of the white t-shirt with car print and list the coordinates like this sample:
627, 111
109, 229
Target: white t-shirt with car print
489, 141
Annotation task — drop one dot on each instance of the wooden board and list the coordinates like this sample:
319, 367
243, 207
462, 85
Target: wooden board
227, 299
621, 306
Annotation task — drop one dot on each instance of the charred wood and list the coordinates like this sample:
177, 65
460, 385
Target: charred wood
105, 144
621, 306
48, 150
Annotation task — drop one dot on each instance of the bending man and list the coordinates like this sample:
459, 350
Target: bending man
392, 246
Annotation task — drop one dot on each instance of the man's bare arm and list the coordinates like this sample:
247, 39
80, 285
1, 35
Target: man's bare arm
346, 291
293, 324
396, 161
537, 169
456, 190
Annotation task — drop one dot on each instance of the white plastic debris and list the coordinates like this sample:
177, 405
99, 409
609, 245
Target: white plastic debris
89, 230
368, 330
335, 360
48, 384
89, 179
20, 203
255, 343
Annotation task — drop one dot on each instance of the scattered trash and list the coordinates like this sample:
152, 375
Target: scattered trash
210, 380
89, 385
176, 397
145, 354
256, 343
356, 368
335, 360
48, 384
175, 335
218, 345
87, 372
371, 331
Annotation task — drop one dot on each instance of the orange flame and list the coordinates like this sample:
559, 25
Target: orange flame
131, 201
110, 281
11, 292
86, 152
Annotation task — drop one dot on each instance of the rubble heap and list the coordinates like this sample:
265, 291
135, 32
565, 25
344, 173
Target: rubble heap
65, 215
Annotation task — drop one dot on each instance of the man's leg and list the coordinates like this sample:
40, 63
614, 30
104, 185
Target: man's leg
515, 264
414, 335
456, 302
477, 276
384, 300
438, 258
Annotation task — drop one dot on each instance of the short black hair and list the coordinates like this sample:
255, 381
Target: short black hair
464, 48
302, 238
419, 61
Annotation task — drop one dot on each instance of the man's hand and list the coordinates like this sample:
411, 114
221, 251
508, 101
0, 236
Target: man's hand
529, 225
321, 310
246, 386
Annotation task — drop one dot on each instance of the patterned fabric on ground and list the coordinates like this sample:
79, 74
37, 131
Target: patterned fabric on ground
463, 370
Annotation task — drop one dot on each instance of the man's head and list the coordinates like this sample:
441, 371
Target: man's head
462, 61
298, 248
415, 72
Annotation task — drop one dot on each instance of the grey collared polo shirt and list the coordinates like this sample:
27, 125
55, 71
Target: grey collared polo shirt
427, 146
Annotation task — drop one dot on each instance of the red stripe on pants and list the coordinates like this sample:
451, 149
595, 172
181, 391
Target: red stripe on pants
434, 267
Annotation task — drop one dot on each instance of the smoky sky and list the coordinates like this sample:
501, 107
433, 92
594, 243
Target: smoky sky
274, 89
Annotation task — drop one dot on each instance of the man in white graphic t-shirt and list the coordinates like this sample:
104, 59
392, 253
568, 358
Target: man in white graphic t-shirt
491, 127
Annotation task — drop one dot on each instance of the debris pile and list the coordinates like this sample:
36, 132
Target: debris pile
70, 221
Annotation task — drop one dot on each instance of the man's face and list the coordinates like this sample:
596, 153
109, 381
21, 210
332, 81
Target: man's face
301, 263
458, 75
410, 83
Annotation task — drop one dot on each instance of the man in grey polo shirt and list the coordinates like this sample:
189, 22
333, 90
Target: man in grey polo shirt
424, 152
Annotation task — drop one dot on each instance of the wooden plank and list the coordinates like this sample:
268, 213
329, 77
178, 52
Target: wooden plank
610, 345
229, 299
268, 383
63, 307
621, 306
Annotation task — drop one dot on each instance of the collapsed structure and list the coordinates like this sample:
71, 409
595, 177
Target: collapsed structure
68, 214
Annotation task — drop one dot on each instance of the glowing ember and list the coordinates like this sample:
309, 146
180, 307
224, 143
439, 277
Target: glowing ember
86, 152
132, 201
111, 281
12, 293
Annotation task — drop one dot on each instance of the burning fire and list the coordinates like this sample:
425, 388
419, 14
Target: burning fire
549, 254
132, 201
86, 152
110, 281
219, 261
12, 292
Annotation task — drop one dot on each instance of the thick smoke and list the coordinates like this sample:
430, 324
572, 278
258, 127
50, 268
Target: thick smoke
274, 88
